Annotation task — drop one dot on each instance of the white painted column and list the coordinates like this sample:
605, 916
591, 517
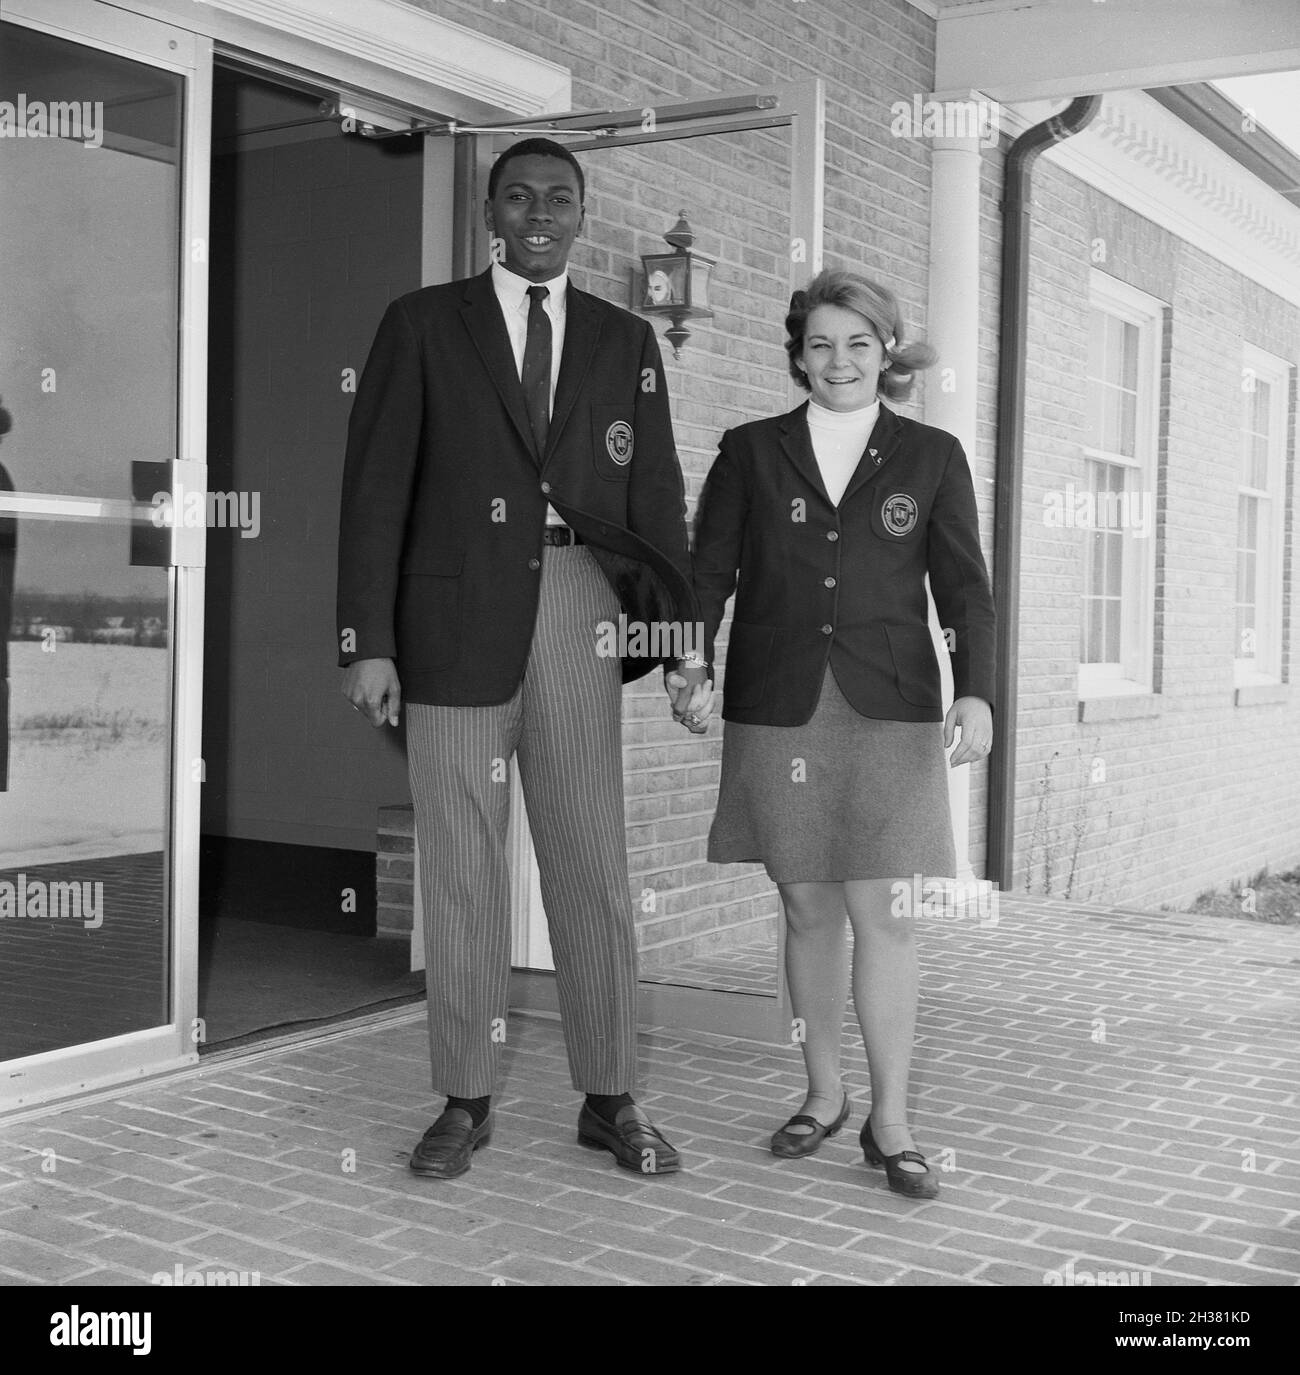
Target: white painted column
950, 395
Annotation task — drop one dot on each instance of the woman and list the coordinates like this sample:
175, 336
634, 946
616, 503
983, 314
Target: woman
825, 523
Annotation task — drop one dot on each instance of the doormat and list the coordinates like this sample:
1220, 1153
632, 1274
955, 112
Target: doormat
255, 977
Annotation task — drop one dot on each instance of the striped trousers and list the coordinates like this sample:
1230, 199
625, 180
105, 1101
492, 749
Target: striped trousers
565, 725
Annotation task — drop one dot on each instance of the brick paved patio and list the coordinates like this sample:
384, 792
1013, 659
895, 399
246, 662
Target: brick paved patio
1112, 1091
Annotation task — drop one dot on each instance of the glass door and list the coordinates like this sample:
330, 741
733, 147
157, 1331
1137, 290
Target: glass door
102, 235
718, 983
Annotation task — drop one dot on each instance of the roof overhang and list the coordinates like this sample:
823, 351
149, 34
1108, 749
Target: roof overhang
1043, 49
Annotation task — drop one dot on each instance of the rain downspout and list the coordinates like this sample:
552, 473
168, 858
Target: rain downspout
1013, 313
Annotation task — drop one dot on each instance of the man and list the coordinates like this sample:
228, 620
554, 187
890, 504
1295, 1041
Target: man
511, 484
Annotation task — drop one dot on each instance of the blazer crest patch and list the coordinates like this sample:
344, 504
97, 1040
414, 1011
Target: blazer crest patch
619, 442
899, 514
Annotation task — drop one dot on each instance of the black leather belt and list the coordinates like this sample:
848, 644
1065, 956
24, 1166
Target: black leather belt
560, 534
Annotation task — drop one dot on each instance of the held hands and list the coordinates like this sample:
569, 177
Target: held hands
975, 717
371, 685
690, 694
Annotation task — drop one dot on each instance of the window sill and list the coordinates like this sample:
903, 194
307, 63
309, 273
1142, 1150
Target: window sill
1261, 694
1092, 686
1120, 707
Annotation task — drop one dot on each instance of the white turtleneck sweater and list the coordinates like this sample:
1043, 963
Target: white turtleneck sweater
839, 439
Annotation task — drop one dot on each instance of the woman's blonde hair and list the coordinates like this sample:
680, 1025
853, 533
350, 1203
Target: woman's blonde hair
879, 307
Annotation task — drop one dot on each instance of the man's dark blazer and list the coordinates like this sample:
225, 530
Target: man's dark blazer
816, 583
444, 497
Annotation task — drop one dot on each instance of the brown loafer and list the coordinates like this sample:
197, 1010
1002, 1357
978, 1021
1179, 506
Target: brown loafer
633, 1140
447, 1148
791, 1145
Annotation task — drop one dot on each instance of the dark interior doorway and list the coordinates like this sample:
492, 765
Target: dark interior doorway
313, 232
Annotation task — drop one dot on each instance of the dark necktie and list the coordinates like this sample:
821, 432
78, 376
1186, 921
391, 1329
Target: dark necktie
536, 377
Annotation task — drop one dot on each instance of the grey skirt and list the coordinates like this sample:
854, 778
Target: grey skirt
842, 797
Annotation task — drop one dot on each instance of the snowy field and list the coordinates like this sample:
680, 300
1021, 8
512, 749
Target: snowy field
88, 752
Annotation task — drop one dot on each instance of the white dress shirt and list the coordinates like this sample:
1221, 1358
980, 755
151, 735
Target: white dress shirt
512, 296
839, 439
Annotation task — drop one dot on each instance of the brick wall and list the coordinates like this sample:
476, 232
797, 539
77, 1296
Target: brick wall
1204, 792
735, 190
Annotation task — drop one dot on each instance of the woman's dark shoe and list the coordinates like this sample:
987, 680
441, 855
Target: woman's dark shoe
909, 1183
790, 1145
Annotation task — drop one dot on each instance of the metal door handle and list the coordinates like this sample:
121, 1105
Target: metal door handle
166, 531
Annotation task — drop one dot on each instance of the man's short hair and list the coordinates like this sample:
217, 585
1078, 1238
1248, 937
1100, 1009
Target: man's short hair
536, 147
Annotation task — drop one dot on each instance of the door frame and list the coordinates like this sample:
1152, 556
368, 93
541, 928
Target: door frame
73, 1069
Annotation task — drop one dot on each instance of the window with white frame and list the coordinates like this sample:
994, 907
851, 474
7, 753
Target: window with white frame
1116, 504
1257, 644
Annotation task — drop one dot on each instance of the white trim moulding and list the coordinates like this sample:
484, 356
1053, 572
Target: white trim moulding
393, 39
1147, 159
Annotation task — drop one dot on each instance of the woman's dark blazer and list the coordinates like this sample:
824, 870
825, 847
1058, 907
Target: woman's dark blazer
817, 583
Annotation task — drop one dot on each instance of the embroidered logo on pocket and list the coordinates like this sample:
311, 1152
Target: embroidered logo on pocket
899, 514
618, 442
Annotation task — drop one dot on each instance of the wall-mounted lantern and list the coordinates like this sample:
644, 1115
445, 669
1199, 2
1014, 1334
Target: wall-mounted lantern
675, 284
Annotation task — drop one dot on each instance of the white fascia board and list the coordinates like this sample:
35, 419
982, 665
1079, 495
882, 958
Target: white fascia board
390, 46
1041, 49
1146, 158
